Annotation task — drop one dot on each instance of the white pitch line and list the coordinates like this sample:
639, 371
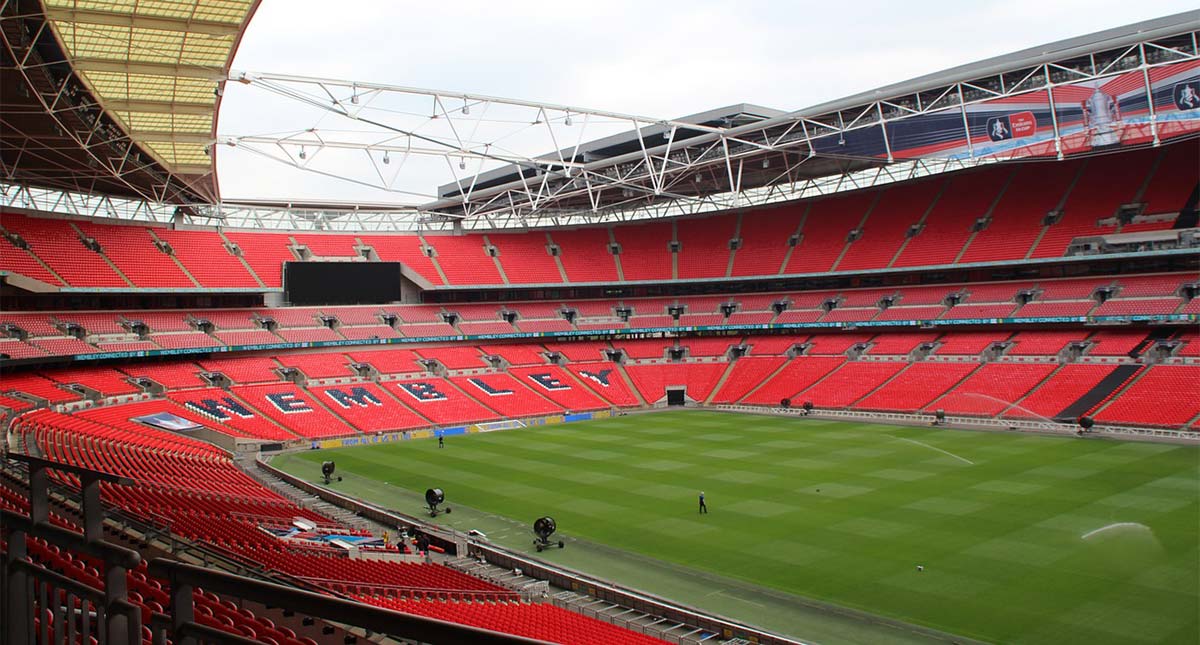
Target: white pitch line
718, 591
944, 452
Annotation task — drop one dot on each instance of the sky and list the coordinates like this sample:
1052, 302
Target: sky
663, 59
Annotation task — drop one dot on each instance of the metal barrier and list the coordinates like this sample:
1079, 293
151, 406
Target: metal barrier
184, 578
557, 576
38, 605
639, 601
39, 602
1020, 425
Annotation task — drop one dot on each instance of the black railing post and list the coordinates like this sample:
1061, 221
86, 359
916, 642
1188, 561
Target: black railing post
182, 608
16, 605
39, 492
93, 511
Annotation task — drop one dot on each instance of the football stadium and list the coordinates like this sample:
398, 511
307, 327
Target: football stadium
916, 365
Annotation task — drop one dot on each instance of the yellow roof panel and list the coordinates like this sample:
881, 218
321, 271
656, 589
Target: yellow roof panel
174, 153
157, 122
143, 58
228, 11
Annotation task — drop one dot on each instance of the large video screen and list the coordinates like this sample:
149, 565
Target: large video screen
341, 283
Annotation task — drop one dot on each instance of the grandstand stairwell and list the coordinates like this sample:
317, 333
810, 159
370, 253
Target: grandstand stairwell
674, 256
861, 223
787, 257
1141, 191
412, 408
877, 387
1103, 390
496, 261
1189, 215
562, 271
770, 377
1017, 404
175, 260
986, 215
629, 384
321, 404
104, 257
1062, 201
241, 258
1129, 382
259, 413
737, 235
720, 382
827, 375
306, 500
612, 239
932, 405
45, 266
433, 259
454, 386
925, 215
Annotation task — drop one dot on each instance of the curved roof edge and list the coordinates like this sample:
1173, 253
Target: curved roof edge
1114, 38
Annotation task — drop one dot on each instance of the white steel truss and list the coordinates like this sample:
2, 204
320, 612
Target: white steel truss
513, 164
450, 161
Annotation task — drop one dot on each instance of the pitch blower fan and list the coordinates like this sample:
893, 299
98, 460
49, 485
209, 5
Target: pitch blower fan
543, 528
434, 497
327, 469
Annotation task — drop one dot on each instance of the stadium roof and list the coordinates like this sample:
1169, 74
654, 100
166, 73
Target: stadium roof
448, 160
152, 67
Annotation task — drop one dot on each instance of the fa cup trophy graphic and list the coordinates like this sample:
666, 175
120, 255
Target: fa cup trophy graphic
1102, 118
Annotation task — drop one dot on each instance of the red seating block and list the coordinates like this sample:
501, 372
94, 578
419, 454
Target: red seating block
919, 384
57, 244
205, 256
585, 255
850, 382
439, 401
368, 408
605, 380
464, 260
526, 258
1060, 390
132, 249
645, 254
293, 409
553, 383
704, 246
993, 388
510, 396
265, 253
1164, 396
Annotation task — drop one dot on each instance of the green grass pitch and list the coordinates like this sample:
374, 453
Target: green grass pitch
1023, 538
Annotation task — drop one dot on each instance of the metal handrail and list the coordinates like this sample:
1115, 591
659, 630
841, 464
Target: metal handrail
183, 578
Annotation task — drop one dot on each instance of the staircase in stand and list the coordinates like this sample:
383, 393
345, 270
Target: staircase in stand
1098, 394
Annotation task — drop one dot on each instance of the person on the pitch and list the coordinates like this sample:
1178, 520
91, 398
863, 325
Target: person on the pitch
703, 506
441, 441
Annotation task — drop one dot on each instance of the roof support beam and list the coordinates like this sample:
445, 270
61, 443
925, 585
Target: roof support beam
125, 66
202, 109
162, 23
175, 137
